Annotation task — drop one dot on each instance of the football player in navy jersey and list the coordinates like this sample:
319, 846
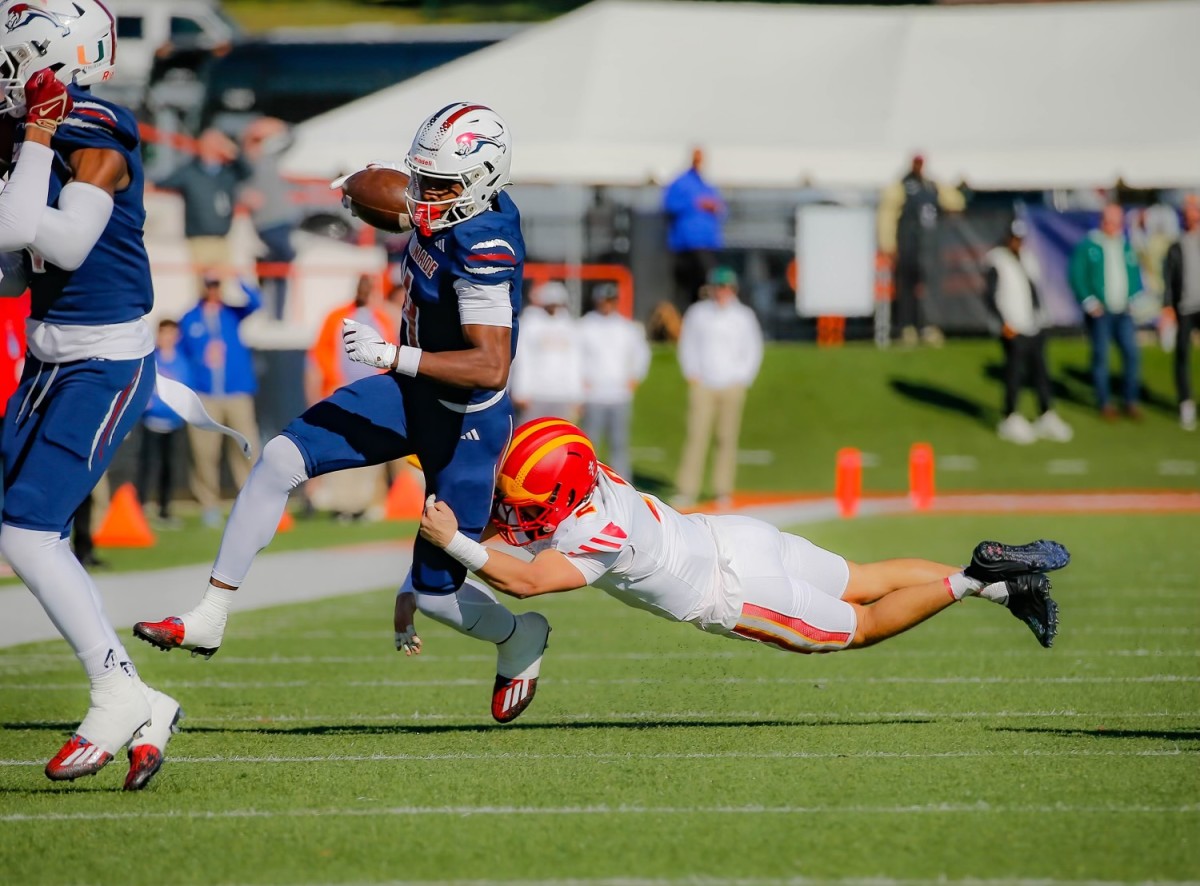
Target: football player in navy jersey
73, 202
442, 396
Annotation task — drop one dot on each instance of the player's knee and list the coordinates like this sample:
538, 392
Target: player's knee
282, 463
865, 629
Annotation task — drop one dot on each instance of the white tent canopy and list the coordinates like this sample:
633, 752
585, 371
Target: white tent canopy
999, 96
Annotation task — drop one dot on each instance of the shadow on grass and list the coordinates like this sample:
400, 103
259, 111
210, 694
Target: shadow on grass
1149, 399
456, 728
594, 725
1101, 732
1063, 390
944, 398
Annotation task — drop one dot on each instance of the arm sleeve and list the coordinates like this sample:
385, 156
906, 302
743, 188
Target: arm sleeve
1077, 272
23, 200
689, 359
483, 305
1172, 276
67, 234
754, 346
640, 364
253, 301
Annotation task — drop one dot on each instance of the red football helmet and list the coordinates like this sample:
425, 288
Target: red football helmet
548, 471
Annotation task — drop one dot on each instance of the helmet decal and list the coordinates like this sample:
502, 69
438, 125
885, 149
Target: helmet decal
21, 14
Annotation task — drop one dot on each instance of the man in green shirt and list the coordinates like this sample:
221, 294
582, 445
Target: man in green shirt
1105, 278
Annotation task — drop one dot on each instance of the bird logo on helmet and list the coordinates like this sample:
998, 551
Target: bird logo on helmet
549, 470
74, 38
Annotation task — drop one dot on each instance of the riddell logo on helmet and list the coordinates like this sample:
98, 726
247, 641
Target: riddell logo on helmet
421, 161
22, 14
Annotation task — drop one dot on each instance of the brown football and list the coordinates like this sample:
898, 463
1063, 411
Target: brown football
377, 197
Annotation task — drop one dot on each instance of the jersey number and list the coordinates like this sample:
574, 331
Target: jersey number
411, 312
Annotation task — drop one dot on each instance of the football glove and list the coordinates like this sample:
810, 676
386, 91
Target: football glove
46, 101
407, 640
365, 345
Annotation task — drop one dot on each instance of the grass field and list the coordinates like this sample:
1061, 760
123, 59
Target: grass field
313, 753
809, 402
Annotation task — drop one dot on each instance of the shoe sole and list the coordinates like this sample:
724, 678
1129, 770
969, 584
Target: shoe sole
165, 642
1037, 556
1044, 625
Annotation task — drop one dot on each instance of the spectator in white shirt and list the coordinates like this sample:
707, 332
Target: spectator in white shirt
547, 374
1013, 276
615, 360
720, 351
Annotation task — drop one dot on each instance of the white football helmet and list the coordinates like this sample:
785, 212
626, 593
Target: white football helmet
75, 38
462, 144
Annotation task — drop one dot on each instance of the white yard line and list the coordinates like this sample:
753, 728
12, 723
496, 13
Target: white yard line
625, 681
602, 810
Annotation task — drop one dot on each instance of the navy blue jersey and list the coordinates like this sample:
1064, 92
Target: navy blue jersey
486, 250
113, 283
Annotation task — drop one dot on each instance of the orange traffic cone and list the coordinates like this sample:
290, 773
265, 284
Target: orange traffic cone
286, 523
124, 526
406, 498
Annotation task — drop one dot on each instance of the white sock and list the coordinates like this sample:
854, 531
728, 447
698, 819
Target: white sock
211, 612
45, 563
258, 509
997, 592
473, 610
960, 585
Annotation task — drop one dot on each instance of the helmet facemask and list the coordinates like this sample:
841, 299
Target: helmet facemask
16, 66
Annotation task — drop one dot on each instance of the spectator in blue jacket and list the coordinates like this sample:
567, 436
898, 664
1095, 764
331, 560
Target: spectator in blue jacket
222, 373
162, 428
695, 212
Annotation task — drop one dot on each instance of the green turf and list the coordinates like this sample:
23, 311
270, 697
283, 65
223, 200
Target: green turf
313, 753
809, 402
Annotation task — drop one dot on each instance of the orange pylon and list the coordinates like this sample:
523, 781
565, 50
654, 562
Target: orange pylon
286, 523
847, 484
406, 498
124, 526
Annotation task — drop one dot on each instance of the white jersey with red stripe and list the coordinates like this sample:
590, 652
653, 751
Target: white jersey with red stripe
728, 575
643, 552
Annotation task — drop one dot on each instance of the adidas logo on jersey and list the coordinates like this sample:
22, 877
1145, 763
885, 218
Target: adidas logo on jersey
470, 435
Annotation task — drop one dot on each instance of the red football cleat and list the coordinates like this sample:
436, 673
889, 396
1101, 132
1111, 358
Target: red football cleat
518, 663
77, 758
169, 634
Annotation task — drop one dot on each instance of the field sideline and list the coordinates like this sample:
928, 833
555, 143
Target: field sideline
313, 754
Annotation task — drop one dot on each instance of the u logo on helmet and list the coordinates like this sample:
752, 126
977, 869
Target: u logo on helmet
81, 53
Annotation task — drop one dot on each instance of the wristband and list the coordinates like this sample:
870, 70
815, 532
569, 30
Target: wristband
468, 552
406, 360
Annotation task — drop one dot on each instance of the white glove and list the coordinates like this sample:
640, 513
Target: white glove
364, 344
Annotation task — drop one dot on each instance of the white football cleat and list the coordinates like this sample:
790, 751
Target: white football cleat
118, 711
1050, 426
147, 747
1017, 429
518, 663
189, 631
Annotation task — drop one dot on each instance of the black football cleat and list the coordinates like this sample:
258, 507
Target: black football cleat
993, 561
1029, 600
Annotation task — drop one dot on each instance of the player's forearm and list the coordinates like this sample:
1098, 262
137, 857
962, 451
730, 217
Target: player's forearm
472, 369
23, 199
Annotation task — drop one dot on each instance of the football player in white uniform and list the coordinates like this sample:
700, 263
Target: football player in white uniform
729, 575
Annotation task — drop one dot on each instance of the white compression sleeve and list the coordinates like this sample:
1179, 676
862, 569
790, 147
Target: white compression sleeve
258, 509
45, 563
23, 200
67, 234
472, 610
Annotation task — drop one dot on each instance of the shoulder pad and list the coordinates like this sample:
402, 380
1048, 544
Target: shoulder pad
96, 124
487, 249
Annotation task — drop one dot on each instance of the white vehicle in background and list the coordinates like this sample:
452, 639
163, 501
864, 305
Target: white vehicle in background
147, 29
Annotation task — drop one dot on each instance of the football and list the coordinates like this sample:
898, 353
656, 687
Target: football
376, 195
